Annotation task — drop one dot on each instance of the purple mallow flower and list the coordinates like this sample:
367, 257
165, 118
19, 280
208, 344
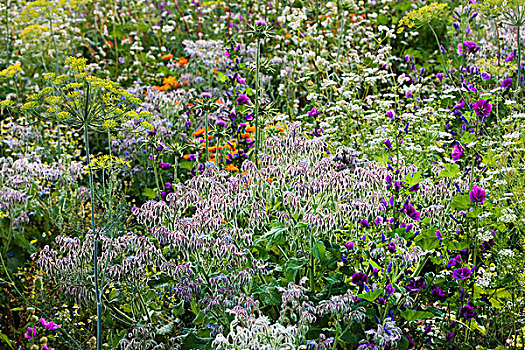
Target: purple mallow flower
359, 278
412, 213
313, 112
467, 311
506, 82
243, 100
457, 152
415, 285
30, 333
477, 194
482, 108
50, 324
462, 273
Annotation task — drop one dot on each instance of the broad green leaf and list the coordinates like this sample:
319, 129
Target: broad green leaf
427, 240
412, 315
461, 202
371, 296
451, 170
319, 250
150, 193
414, 179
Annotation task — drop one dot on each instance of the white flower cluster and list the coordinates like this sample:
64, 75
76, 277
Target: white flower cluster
507, 215
259, 333
485, 236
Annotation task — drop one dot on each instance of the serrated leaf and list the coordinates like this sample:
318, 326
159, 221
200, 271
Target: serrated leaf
164, 330
414, 179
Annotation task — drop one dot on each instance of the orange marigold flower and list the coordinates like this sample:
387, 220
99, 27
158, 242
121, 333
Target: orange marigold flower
167, 57
309, 22
169, 81
199, 132
246, 135
212, 149
182, 61
186, 156
109, 43
232, 168
215, 70
210, 137
288, 36
250, 128
189, 104
164, 88
270, 180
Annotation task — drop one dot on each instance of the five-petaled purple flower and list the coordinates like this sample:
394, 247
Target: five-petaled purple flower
50, 324
477, 194
312, 112
412, 213
482, 108
243, 100
31, 332
466, 312
506, 82
359, 278
415, 285
462, 273
457, 152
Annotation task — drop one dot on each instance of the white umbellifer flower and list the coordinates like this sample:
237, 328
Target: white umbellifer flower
507, 215
485, 236
506, 253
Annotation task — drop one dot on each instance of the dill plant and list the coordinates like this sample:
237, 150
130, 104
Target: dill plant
85, 102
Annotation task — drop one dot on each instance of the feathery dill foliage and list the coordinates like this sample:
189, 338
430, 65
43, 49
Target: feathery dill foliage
424, 15
81, 100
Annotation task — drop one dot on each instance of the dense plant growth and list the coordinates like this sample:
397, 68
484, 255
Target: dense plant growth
262, 175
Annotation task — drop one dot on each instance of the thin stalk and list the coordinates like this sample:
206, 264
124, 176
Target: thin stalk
519, 59
206, 141
95, 244
257, 103
57, 71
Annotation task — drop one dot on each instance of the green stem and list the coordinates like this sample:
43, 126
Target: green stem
257, 102
95, 242
57, 71
519, 61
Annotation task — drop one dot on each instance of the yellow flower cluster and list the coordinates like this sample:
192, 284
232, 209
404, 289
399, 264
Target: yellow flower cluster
421, 16
34, 32
106, 162
10, 71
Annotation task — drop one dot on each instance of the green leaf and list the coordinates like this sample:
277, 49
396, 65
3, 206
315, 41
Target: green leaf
292, 266
150, 193
221, 77
6, 340
427, 240
275, 237
371, 296
164, 330
414, 179
412, 315
461, 202
468, 137
403, 343
451, 170
319, 250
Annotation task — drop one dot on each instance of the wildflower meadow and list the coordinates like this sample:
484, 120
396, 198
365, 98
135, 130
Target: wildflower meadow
262, 175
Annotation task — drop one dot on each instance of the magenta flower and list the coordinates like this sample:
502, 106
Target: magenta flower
50, 324
313, 112
461, 274
359, 278
467, 311
457, 152
471, 47
243, 100
506, 82
482, 108
31, 332
477, 194
412, 213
